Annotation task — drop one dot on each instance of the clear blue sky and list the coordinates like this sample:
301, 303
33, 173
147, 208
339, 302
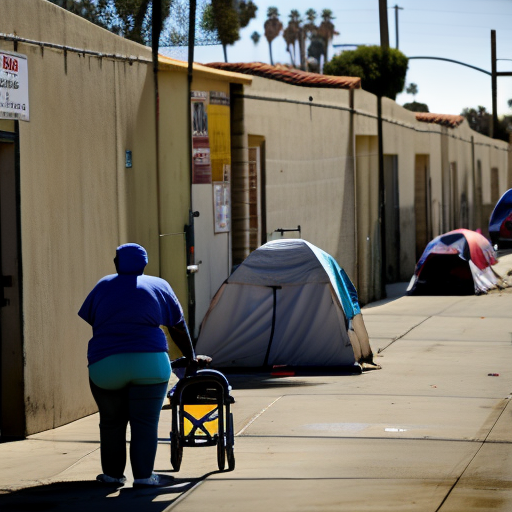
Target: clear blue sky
453, 29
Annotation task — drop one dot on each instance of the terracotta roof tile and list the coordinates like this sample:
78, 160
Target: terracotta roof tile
443, 119
290, 76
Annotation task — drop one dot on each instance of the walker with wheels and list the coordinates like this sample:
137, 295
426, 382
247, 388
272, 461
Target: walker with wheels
201, 415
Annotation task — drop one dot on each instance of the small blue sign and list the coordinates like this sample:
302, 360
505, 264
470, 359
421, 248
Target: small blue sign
128, 158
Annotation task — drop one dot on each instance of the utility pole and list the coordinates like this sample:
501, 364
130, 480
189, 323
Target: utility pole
494, 85
156, 29
494, 80
396, 22
383, 20
384, 43
189, 228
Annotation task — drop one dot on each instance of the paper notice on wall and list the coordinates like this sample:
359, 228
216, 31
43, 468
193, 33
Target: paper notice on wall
219, 98
201, 162
222, 205
13, 86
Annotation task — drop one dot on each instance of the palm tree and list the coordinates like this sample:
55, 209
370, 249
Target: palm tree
291, 33
326, 29
309, 31
412, 89
273, 27
310, 27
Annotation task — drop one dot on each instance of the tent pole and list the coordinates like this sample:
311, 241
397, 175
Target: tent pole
274, 307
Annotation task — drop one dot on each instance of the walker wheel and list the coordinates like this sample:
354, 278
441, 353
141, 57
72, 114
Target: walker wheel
230, 443
176, 451
221, 451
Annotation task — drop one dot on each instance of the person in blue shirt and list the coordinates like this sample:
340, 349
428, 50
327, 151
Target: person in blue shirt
129, 366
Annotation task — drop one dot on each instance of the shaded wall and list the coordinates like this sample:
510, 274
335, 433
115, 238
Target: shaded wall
174, 181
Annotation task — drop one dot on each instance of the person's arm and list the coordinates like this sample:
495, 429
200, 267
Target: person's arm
180, 335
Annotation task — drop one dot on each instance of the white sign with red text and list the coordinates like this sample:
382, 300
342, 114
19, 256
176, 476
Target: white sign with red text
13, 86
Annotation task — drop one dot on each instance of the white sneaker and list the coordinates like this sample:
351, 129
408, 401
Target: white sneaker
153, 481
105, 479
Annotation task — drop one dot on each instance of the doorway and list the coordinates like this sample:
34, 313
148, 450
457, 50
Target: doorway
257, 207
495, 186
392, 218
479, 220
455, 197
12, 410
254, 204
422, 203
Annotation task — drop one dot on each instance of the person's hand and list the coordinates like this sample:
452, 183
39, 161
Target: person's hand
192, 365
197, 363
203, 360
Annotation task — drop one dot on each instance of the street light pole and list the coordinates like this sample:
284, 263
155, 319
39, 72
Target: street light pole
384, 43
397, 8
494, 77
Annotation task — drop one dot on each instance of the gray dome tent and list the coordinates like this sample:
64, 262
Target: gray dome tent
288, 304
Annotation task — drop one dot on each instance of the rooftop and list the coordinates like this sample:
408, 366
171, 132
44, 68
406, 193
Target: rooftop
168, 63
451, 121
289, 76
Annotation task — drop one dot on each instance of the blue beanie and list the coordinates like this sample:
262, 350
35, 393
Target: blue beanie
131, 259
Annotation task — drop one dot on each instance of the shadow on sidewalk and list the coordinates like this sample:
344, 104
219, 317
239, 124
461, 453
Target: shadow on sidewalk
92, 496
394, 291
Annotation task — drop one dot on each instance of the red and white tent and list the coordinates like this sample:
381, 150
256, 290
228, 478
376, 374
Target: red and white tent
456, 263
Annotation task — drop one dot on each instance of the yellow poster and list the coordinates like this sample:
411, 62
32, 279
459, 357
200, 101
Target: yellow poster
220, 137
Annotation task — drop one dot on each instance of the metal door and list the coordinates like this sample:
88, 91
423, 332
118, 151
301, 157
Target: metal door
12, 410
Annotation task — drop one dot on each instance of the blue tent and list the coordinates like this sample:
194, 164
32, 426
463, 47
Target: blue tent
500, 224
288, 304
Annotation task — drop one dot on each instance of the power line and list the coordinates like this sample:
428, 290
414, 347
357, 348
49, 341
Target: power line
463, 12
352, 10
453, 25
453, 36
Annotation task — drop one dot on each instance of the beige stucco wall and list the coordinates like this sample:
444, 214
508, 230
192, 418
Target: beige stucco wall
310, 171
174, 180
6, 125
309, 162
78, 201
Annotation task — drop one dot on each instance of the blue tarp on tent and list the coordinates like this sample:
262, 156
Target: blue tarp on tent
500, 223
343, 286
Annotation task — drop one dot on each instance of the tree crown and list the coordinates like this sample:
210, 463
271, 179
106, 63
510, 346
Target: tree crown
382, 72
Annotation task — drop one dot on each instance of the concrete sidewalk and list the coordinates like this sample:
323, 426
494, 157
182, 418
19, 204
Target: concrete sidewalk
431, 431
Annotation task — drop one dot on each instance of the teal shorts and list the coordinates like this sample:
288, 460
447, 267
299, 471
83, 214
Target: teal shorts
138, 368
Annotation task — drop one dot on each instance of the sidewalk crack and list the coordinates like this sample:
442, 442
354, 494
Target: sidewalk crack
379, 350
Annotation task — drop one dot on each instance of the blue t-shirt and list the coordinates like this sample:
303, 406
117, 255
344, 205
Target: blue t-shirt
127, 309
